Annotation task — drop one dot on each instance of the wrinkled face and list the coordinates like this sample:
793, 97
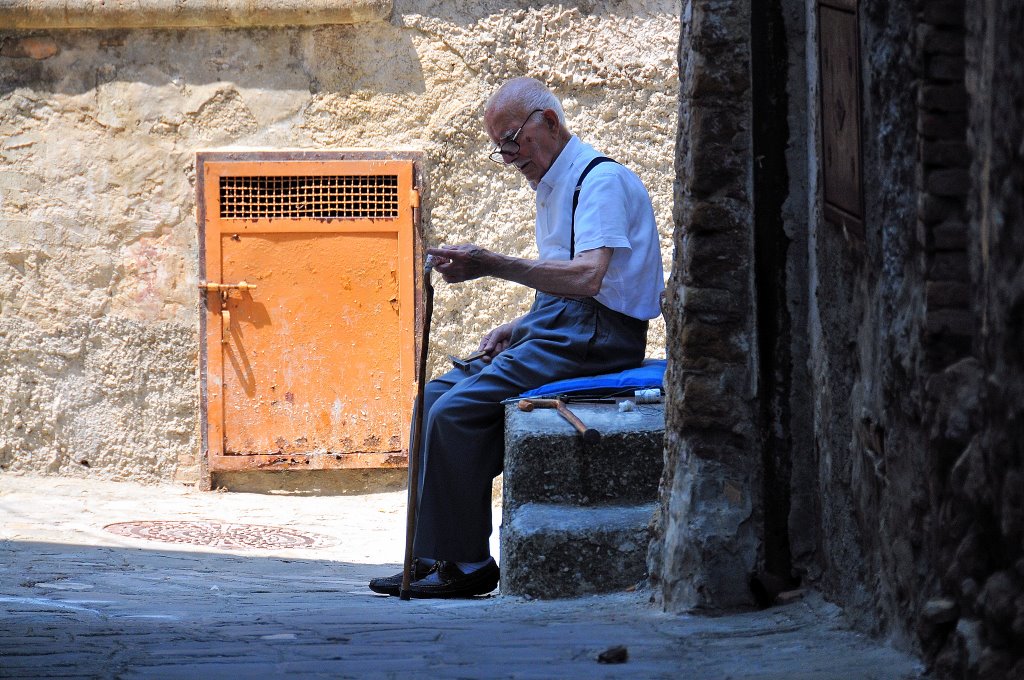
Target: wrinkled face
538, 139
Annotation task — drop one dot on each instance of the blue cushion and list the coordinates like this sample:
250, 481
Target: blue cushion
648, 375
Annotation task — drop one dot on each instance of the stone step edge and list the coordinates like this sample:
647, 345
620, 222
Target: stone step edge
531, 518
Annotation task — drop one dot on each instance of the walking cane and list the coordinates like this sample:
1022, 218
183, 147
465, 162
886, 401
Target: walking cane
415, 455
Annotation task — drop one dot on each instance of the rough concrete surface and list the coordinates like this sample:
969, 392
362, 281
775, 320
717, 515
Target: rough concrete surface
546, 462
98, 131
191, 13
76, 601
557, 551
569, 505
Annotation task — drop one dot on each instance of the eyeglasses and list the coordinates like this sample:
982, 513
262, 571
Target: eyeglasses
509, 146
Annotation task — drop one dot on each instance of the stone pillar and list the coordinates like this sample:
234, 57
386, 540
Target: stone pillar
708, 533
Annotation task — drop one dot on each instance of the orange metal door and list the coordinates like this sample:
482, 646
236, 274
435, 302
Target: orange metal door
308, 279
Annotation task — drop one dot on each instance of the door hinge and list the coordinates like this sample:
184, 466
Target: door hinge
414, 198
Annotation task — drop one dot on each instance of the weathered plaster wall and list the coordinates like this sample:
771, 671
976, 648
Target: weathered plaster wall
98, 129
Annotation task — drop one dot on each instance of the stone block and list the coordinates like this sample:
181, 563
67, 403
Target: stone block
942, 97
699, 216
950, 322
950, 235
947, 153
948, 13
932, 208
717, 260
717, 157
947, 294
953, 182
715, 26
712, 305
547, 462
948, 266
552, 551
998, 597
935, 40
946, 67
724, 342
942, 125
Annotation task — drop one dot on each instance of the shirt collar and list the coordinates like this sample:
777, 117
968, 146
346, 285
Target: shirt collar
560, 168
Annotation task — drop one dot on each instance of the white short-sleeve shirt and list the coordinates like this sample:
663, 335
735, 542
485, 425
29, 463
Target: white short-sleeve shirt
614, 211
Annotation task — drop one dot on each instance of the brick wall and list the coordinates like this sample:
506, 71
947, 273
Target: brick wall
943, 182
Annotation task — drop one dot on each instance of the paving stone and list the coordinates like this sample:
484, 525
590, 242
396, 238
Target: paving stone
153, 614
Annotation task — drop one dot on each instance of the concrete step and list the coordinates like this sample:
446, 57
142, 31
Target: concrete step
547, 462
576, 517
552, 551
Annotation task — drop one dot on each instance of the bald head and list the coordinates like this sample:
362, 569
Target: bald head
519, 96
525, 120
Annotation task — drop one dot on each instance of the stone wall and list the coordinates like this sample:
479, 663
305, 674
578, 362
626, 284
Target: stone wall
943, 182
98, 131
906, 492
974, 627
866, 317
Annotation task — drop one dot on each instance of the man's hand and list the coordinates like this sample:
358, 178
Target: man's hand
460, 263
497, 341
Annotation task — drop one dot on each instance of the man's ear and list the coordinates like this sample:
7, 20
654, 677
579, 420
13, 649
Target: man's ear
551, 119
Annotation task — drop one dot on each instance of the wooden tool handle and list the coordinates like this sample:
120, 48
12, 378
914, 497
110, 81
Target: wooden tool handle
590, 435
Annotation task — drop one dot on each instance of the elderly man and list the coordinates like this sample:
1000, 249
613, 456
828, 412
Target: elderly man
598, 280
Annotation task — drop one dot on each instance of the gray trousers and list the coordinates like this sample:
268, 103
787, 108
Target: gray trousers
463, 429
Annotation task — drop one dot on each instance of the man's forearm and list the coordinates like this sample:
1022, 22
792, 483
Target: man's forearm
580, 277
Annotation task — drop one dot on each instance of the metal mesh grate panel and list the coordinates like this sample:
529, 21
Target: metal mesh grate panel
314, 197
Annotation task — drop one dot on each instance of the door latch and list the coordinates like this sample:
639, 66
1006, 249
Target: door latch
225, 289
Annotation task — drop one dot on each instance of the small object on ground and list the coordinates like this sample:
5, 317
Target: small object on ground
940, 610
616, 654
626, 405
788, 596
766, 586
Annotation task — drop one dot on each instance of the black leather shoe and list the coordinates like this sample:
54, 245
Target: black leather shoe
390, 585
454, 583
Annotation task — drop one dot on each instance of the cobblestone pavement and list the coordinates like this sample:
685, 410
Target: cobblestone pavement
79, 601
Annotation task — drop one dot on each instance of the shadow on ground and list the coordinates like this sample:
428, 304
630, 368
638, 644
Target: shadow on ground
122, 612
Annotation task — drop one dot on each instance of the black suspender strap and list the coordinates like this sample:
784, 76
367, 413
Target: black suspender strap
576, 200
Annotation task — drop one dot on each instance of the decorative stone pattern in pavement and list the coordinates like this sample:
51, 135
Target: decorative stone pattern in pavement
218, 534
